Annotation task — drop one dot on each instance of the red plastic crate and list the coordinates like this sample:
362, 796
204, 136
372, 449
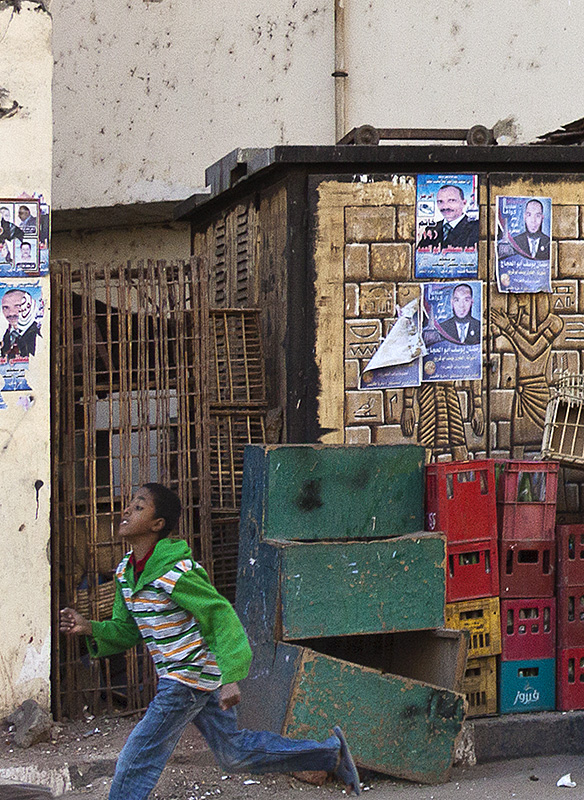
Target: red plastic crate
528, 628
461, 499
570, 679
472, 570
527, 568
570, 542
570, 616
526, 500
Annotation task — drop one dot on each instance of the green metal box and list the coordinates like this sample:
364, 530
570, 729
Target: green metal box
302, 590
325, 492
394, 724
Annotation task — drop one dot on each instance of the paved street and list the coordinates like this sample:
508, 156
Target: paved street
522, 779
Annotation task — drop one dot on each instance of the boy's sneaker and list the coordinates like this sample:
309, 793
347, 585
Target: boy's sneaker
346, 770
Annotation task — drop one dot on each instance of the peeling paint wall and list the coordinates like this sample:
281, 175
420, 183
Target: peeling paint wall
25, 167
148, 94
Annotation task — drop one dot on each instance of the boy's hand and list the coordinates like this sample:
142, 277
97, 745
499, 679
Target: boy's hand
229, 695
71, 621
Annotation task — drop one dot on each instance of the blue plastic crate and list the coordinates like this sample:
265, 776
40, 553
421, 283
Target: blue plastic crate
526, 686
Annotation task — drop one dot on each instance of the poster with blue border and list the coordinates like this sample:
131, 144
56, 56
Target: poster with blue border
22, 311
447, 226
24, 237
452, 331
523, 244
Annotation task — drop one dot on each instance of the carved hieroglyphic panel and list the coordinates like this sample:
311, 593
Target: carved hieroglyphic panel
540, 336
364, 256
364, 237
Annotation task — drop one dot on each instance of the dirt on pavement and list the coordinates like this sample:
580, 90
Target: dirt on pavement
90, 748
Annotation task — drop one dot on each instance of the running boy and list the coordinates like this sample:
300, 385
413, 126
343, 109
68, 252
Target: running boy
200, 651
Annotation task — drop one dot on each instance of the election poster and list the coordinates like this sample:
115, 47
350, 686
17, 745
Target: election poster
20, 333
447, 226
452, 331
397, 363
523, 244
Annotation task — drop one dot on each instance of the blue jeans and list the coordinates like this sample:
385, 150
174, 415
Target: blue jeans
152, 741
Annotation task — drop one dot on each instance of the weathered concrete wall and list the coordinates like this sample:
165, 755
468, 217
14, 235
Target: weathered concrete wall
25, 166
167, 242
147, 94
462, 62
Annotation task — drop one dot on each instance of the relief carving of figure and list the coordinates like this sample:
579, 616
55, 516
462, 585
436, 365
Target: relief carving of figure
441, 424
531, 328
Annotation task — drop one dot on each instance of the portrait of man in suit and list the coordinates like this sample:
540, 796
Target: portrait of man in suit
27, 220
533, 242
19, 309
455, 229
462, 327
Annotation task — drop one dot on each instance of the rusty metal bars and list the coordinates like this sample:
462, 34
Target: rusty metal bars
123, 400
149, 384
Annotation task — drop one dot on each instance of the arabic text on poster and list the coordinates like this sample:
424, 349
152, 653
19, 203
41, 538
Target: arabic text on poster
397, 362
447, 226
24, 237
20, 333
452, 331
523, 244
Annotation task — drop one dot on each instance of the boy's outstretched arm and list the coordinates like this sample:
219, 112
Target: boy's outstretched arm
71, 622
103, 638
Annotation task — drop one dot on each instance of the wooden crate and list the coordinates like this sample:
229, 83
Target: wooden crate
299, 590
388, 719
563, 433
316, 492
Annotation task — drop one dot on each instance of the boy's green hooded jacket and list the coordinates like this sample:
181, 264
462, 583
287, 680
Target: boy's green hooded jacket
192, 632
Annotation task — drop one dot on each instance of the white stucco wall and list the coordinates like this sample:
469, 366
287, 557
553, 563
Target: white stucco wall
461, 62
147, 94
25, 166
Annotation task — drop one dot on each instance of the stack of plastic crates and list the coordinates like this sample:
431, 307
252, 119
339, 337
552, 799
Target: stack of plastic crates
570, 598
563, 433
461, 502
526, 506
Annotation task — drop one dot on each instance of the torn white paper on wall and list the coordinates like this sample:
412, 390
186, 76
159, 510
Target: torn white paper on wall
403, 343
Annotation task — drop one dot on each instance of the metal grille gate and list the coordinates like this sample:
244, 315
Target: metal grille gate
148, 385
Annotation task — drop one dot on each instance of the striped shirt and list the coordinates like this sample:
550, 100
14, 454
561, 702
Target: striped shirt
170, 633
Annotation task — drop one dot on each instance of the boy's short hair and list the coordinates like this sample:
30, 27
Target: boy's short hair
168, 506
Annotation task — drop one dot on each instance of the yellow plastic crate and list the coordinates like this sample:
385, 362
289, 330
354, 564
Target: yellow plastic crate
482, 619
480, 686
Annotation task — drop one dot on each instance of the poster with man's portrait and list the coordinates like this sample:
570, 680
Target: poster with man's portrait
452, 331
523, 244
27, 214
397, 362
26, 256
21, 315
24, 237
447, 226
6, 257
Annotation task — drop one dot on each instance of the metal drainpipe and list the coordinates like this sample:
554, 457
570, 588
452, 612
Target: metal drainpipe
340, 74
